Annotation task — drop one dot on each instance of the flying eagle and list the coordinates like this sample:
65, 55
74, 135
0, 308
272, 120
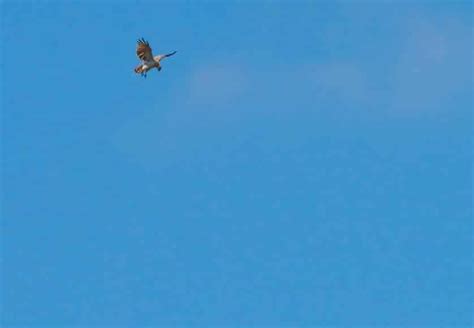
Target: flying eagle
146, 56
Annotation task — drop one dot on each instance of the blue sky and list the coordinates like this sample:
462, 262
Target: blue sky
297, 164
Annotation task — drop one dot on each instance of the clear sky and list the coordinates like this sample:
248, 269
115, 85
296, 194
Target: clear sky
297, 164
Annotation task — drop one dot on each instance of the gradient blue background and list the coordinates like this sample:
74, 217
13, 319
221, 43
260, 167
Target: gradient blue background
299, 164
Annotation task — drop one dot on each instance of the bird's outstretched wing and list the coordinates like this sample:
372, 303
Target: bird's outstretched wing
160, 57
144, 50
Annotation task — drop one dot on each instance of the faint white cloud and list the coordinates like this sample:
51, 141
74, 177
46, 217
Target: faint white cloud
434, 66
344, 81
216, 83
162, 138
427, 67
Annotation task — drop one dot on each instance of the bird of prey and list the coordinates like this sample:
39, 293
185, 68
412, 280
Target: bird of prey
148, 61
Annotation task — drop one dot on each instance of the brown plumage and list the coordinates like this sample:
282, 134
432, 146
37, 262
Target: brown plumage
145, 54
144, 50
